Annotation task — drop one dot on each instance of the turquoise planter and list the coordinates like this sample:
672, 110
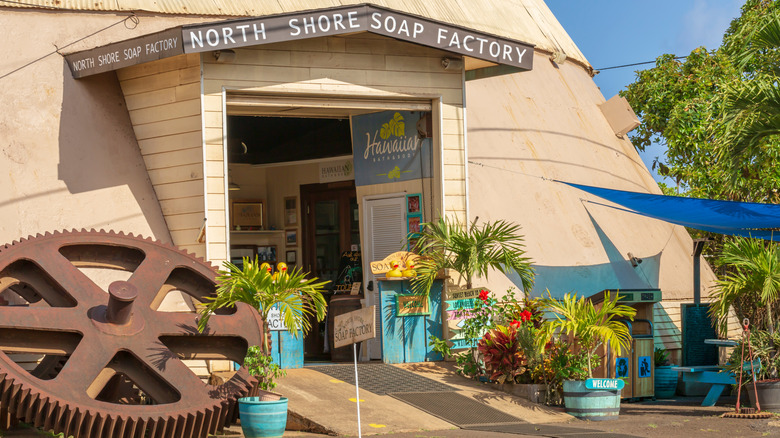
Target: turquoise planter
665, 382
590, 404
260, 418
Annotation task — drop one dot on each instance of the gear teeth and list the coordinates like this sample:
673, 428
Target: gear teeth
43, 409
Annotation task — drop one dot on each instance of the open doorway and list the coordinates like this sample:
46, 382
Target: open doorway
310, 211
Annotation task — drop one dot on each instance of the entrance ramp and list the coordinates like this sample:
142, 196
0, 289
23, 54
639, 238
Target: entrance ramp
326, 404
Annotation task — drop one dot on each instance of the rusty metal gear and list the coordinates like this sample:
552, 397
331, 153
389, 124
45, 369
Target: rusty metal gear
112, 362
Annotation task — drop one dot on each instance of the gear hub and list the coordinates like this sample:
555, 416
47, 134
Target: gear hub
111, 364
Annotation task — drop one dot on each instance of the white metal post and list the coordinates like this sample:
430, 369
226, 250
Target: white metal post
357, 390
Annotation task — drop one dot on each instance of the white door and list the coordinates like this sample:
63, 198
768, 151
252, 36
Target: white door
385, 226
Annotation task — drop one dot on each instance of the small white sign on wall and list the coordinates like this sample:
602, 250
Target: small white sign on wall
339, 170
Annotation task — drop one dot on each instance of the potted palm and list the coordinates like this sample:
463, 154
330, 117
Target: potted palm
665, 381
471, 250
296, 298
751, 289
588, 327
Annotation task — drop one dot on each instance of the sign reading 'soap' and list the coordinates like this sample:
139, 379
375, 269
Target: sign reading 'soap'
301, 25
355, 326
265, 30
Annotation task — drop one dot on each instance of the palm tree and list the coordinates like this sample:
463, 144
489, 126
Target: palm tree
752, 285
582, 322
471, 251
752, 105
293, 294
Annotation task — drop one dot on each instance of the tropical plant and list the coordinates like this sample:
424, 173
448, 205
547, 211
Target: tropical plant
504, 359
589, 326
765, 347
560, 361
751, 286
260, 364
470, 250
752, 110
295, 296
661, 357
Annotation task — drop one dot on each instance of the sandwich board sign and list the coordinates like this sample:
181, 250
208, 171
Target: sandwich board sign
356, 326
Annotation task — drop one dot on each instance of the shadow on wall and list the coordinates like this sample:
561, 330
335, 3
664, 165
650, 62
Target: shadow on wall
98, 148
587, 280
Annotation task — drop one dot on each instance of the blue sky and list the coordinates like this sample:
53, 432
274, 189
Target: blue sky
617, 32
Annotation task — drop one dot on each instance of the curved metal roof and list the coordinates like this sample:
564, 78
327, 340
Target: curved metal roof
530, 21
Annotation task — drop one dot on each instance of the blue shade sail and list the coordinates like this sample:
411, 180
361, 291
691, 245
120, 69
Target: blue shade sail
746, 219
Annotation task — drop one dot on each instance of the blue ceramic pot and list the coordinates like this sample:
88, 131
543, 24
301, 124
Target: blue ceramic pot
261, 418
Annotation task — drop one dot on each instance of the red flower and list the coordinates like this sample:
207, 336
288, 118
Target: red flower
526, 316
515, 323
483, 295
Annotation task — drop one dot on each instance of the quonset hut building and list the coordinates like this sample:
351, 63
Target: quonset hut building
304, 131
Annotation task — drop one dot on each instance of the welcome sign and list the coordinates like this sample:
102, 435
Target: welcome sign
386, 148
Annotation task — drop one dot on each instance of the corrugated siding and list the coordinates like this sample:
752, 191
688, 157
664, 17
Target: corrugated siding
530, 21
362, 65
163, 100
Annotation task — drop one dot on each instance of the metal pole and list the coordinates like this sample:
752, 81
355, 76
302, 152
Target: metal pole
357, 390
698, 246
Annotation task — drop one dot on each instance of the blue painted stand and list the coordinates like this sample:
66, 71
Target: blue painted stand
291, 349
405, 339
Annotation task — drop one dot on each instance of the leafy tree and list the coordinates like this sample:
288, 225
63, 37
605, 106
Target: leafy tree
685, 106
752, 285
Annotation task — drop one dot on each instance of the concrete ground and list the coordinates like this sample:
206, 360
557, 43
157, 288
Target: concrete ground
326, 406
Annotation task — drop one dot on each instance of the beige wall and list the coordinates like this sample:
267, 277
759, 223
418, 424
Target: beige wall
163, 100
362, 66
68, 154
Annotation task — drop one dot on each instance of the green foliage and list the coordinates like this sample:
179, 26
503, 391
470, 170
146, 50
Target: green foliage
698, 108
440, 346
661, 357
293, 294
262, 366
588, 325
766, 348
471, 251
560, 361
751, 287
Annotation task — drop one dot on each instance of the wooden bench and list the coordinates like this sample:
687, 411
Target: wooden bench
715, 376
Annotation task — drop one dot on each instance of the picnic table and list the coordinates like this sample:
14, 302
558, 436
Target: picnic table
713, 374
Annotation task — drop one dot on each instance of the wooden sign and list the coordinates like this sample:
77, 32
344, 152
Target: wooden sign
355, 326
403, 257
412, 305
464, 294
355, 289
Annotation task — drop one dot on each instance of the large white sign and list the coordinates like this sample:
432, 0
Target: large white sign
275, 321
355, 326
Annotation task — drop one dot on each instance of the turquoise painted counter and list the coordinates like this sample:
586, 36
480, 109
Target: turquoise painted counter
286, 350
405, 338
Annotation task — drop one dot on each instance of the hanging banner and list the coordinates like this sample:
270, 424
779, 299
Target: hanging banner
387, 148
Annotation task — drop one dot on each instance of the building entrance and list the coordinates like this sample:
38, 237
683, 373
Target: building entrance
330, 230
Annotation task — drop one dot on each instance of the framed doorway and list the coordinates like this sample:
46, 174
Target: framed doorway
331, 226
